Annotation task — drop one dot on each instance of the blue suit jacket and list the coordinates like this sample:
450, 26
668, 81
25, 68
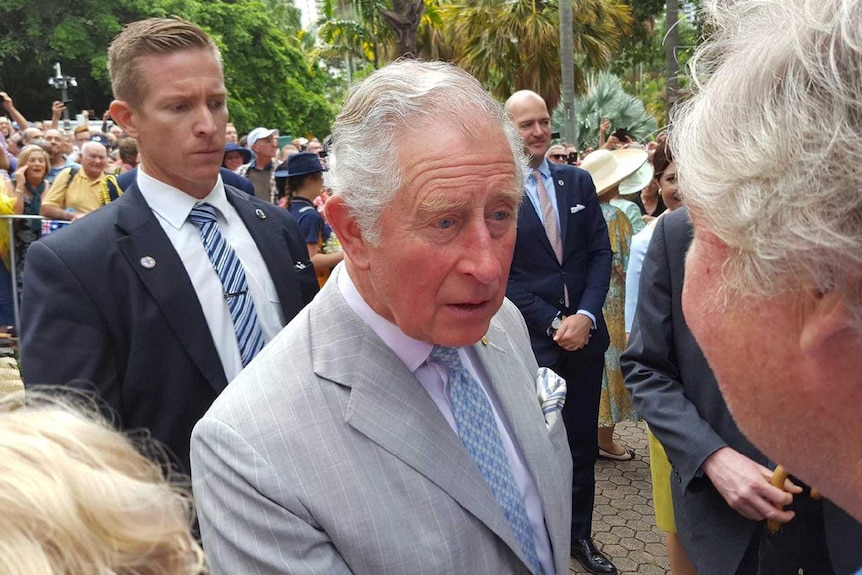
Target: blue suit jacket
537, 278
229, 178
92, 312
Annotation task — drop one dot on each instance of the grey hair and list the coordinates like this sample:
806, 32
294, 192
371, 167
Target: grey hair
396, 102
768, 151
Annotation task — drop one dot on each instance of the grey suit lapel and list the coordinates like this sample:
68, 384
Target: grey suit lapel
529, 430
167, 282
390, 407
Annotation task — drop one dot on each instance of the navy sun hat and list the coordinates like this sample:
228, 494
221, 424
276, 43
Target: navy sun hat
246, 153
299, 165
102, 140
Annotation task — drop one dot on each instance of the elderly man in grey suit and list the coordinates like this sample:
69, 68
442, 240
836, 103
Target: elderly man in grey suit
394, 426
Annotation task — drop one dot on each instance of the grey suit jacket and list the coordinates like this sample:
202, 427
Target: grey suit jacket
326, 455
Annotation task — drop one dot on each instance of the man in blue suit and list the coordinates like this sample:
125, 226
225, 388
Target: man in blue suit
559, 279
159, 299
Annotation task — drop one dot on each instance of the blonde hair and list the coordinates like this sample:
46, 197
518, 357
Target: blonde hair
149, 37
78, 498
28, 151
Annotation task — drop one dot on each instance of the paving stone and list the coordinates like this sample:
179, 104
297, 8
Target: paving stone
623, 517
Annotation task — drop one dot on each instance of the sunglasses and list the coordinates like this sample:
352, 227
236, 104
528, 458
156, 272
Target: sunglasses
561, 157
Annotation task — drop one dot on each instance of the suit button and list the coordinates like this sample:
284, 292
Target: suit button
562, 301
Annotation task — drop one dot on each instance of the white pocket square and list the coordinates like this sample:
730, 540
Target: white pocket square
577, 208
551, 391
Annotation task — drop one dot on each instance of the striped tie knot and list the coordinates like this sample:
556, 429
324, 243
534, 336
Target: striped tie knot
202, 214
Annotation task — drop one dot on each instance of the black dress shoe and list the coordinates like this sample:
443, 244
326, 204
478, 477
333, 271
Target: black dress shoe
593, 560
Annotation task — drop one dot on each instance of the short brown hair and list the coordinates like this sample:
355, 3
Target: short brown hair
146, 38
128, 148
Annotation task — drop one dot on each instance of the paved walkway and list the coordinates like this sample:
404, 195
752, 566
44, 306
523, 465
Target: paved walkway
623, 519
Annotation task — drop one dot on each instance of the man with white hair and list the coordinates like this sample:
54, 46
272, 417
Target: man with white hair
773, 289
78, 191
261, 170
394, 427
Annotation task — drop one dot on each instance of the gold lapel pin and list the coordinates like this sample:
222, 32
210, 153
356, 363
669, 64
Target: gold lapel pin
484, 340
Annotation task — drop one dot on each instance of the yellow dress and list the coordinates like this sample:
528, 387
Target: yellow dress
616, 401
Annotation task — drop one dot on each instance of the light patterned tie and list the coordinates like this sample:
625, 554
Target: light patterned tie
552, 227
232, 275
477, 428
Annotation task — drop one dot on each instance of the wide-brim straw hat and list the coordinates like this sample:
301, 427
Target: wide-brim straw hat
609, 168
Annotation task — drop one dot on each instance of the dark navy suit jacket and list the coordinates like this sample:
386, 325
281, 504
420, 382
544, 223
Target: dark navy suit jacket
95, 311
126, 179
537, 278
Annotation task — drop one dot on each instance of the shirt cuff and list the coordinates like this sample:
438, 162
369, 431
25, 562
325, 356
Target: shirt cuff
589, 315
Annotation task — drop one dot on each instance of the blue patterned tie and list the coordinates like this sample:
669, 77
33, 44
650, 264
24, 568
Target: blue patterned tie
232, 275
480, 436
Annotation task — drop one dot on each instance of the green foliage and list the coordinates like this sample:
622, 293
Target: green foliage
646, 76
605, 98
511, 45
268, 77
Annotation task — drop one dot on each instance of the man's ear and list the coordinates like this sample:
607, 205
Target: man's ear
827, 318
347, 231
122, 114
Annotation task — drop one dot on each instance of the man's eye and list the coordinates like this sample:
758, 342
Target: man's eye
445, 223
501, 216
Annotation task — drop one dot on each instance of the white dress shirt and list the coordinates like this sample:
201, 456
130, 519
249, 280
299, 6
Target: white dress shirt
172, 208
434, 378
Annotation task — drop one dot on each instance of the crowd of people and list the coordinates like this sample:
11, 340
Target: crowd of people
404, 350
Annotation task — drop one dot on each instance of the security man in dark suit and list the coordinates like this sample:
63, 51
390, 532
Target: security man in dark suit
560, 274
159, 299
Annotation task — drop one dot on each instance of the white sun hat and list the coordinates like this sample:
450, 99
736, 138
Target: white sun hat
609, 168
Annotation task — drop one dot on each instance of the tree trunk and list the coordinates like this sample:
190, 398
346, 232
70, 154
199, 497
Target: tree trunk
671, 43
567, 63
404, 20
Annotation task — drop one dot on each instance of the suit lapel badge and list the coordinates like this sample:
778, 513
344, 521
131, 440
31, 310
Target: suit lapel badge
559, 182
148, 262
485, 340
260, 214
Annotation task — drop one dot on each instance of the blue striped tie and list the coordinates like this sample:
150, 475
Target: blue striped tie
480, 436
232, 275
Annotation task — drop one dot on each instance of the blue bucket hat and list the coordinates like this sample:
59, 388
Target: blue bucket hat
231, 147
299, 165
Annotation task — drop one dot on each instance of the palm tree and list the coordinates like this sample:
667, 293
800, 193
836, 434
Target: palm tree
404, 19
514, 44
605, 97
671, 44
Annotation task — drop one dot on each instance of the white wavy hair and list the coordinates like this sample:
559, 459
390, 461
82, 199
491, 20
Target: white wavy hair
769, 152
400, 101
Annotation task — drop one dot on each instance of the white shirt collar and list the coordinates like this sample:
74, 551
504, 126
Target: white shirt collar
412, 352
174, 205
